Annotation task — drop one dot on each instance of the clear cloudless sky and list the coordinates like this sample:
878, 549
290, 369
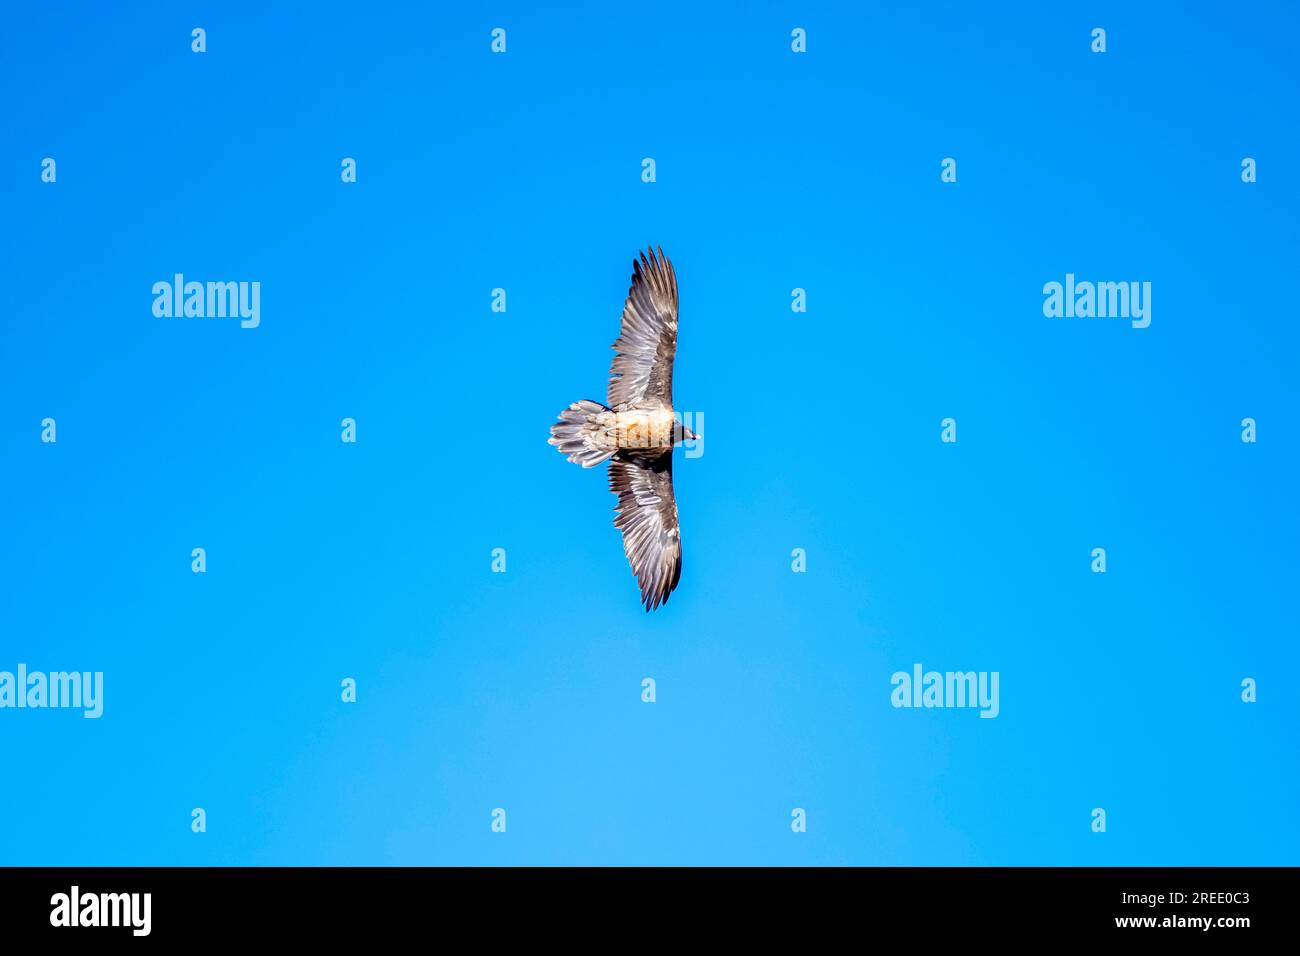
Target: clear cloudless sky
522, 690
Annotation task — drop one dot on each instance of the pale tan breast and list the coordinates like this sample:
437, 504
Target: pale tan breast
643, 429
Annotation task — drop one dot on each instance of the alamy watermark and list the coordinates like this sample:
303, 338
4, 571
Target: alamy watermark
208, 300
922, 688
75, 908
1098, 300
83, 690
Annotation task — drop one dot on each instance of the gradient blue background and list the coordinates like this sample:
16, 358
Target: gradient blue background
522, 690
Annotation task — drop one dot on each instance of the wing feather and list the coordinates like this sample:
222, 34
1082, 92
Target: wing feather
646, 513
642, 370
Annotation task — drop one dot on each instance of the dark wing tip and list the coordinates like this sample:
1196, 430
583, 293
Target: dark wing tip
654, 268
652, 260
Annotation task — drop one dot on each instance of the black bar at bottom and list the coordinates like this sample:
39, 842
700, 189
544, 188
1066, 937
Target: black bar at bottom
336, 904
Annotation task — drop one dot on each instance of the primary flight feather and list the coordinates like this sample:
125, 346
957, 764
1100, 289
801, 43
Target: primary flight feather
637, 430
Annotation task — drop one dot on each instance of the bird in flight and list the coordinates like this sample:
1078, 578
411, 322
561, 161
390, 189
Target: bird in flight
636, 432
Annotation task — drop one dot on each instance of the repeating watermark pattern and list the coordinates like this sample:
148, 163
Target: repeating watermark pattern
75, 908
918, 688
930, 689
211, 300
1098, 300
35, 690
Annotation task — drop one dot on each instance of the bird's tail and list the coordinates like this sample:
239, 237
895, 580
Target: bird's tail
574, 432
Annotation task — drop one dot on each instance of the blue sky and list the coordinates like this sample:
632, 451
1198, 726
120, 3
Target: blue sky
522, 690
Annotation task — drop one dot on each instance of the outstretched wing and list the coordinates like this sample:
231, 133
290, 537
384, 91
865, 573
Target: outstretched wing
643, 368
646, 513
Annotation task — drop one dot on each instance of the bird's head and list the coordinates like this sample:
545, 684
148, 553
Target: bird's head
682, 433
